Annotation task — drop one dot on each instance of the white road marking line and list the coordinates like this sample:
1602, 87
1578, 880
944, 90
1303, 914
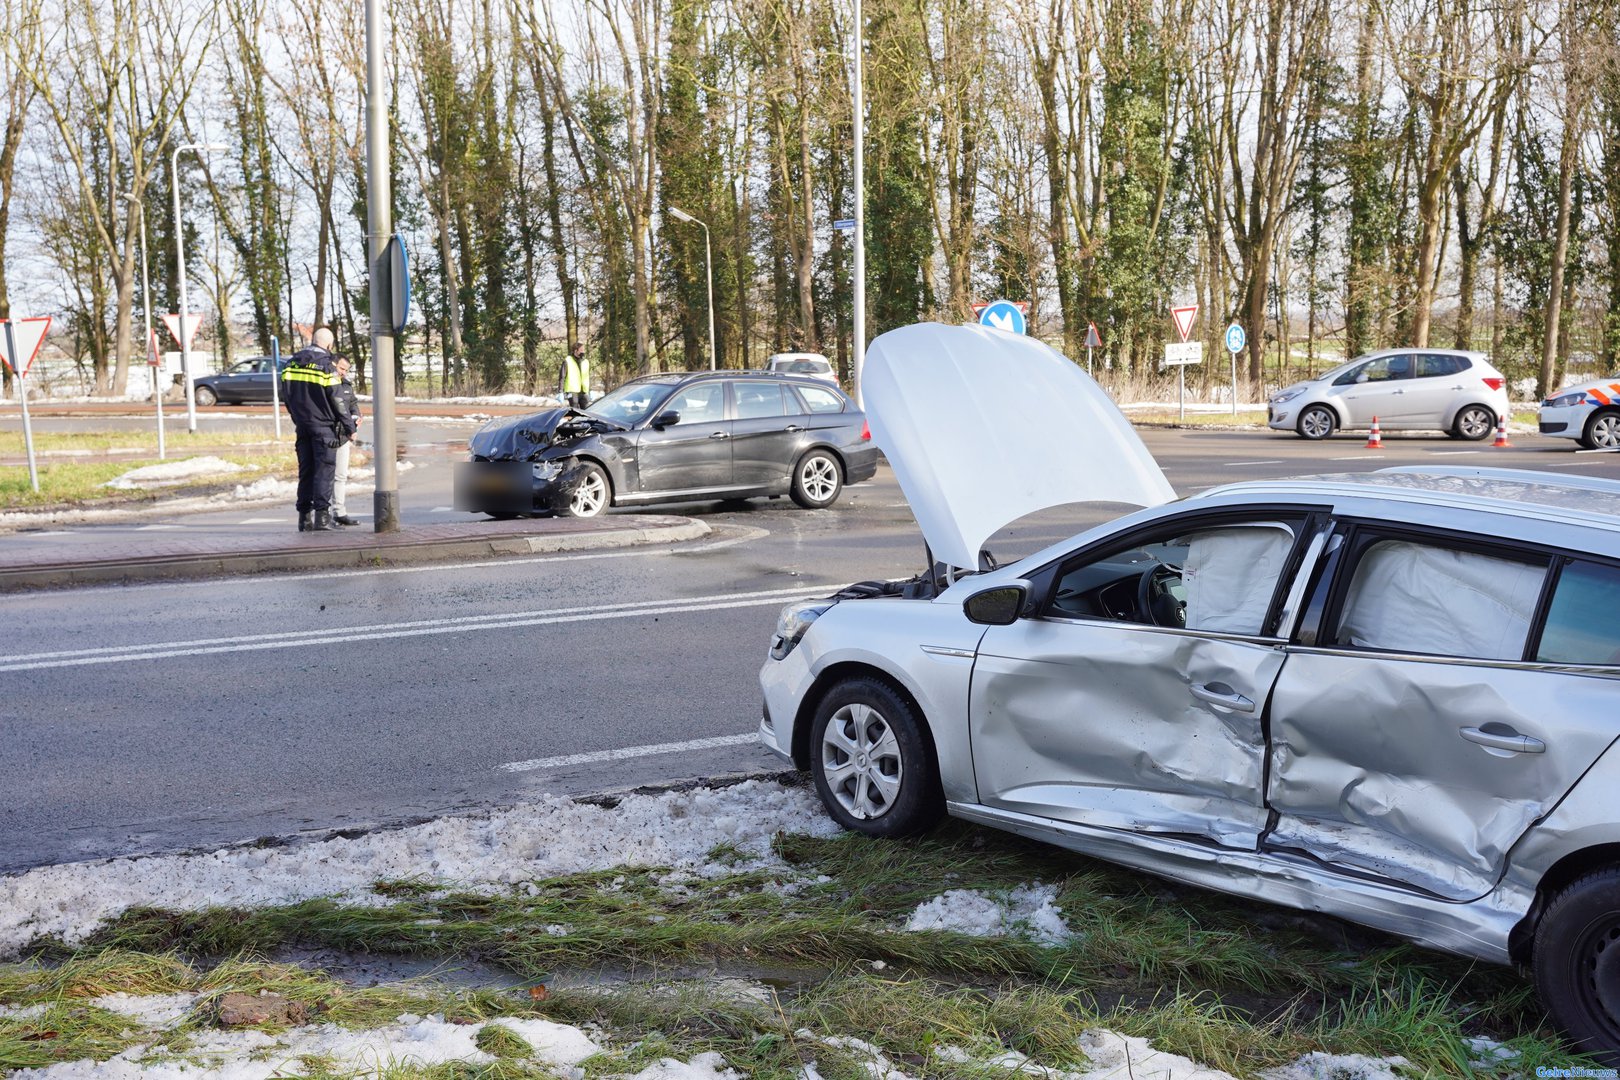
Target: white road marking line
262, 521
642, 551
50, 532
627, 752
422, 628
1277, 461
442, 510
1452, 453
1601, 450
157, 528
1358, 457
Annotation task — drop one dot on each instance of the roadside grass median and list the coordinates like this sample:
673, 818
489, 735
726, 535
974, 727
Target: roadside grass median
840, 955
75, 469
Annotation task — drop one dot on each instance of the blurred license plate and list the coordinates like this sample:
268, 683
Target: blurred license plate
502, 487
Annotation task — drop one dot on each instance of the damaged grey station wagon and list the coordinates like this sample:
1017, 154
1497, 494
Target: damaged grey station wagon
672, 437
1393, 697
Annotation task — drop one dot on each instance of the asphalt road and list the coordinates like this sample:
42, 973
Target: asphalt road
172, 716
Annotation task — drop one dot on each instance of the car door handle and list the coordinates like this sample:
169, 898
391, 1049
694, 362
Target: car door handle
1509, 740
720, 435
794, 427
1222, 695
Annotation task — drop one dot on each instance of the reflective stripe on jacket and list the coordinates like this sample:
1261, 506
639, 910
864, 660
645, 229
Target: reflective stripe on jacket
309, 391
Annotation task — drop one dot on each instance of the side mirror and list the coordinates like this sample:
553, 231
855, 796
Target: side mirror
666, 419
997, 605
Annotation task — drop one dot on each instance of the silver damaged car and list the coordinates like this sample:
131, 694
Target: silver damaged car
1393, 696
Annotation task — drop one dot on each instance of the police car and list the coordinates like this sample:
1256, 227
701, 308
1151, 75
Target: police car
1588, 412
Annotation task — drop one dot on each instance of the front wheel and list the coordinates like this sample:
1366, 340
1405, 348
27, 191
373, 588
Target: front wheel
205, 395
593, 494
1577, 963
1473, 423
1317, 422
1602, 431
817, 480
872, 764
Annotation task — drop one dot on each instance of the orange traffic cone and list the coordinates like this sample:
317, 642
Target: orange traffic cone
1375, 439
1501, 433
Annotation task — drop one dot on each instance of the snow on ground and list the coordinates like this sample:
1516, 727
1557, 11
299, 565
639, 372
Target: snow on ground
170, 473
1027, 911
153, 1010
551, 837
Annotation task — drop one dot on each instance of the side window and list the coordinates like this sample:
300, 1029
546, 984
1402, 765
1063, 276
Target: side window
1389, 368
701, 403
1219, 578
1583, 622
818, 400
1433, 365
757, 399
1414, 597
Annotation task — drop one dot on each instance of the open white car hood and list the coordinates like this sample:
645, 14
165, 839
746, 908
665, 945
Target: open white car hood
983, 427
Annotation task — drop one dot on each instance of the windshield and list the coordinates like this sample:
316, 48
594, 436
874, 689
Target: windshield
1333, 373
630, 403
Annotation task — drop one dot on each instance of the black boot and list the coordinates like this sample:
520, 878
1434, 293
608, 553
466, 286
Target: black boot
303, 521
345, 519
323, 522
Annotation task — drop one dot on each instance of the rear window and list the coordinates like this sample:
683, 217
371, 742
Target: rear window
757, 399
1420, 598
818, 400
1583, 622
1431, 365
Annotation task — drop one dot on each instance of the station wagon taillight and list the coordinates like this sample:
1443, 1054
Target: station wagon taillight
866, 431
1494, 383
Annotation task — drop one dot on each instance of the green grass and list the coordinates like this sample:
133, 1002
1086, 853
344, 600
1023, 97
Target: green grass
177, 443
67, 483
1233, 984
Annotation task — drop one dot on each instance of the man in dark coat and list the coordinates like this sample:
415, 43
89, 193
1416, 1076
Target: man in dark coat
309, 391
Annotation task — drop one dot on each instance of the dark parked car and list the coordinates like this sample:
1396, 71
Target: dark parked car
247, 381
668, 438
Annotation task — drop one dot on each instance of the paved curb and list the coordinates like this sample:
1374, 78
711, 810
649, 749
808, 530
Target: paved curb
344, 551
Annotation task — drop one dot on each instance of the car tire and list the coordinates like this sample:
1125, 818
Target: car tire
592, 496
1577, 963
205, 395
1317, 422
873, 765
1602, 430
1473, 422
817, 480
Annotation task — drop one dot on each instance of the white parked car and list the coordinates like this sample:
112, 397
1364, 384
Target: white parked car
1447, 390
1390, 696
1588, 412
812, 364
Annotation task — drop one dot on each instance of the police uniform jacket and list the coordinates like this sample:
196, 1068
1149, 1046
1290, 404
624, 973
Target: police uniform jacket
309, 390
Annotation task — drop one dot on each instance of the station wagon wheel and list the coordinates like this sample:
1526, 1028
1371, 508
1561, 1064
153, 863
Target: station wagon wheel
1577, 963
1317, 422
817, 479
873, 765
1603, 431
1474, 423
593, 494
205, 395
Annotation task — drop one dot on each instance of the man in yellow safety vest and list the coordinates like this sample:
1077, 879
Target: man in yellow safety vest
576, 377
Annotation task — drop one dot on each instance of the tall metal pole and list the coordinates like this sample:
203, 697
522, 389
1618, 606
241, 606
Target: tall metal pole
860, 208
146, 307
708, 270
19, 366
180, 265
379, 227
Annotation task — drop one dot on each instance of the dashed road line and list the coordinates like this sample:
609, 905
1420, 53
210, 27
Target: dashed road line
628, 752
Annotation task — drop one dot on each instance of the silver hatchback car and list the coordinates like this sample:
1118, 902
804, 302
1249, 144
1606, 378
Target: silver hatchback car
1447, 390
1393, 697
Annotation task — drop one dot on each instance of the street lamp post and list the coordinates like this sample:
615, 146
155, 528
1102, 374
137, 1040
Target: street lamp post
146, 311
180, 262
708, 270
859, 330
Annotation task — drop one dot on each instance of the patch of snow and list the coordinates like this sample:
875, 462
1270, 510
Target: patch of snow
1124, 1057
1323, 1066
873, 1061
170, 473
709, 1066
264, 489
1484, 1053
1027, 911
25, 1012
492, 850
151, 1010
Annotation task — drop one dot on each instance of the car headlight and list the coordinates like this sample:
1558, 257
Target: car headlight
1285, 395
791, 624
1564, 401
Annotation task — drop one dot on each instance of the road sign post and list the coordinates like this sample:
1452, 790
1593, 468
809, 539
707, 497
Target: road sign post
22, 341
1093, 341
1235, 340
1181, 355
275, 383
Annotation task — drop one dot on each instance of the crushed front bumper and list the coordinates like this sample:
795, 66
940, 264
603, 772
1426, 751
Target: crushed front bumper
516, 487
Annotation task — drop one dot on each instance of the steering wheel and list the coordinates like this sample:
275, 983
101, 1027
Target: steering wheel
1154, 600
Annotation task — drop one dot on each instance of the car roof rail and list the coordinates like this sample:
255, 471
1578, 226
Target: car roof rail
1521, 476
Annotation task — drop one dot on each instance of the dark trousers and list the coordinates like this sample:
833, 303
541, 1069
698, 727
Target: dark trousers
317, 464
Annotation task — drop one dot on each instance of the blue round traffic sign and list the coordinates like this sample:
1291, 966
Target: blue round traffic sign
1236, 338
1003, 315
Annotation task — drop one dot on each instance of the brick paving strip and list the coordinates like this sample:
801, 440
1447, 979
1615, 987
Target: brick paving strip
177, 556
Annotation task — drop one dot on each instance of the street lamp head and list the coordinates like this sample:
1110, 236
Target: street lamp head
680, 215
130, 196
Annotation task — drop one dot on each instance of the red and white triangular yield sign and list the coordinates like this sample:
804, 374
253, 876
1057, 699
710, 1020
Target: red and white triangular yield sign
1184, 317
26, 336
152, 355
1093, 339
172, 321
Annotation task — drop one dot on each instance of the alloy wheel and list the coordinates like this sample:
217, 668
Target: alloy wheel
591, 495
818, 476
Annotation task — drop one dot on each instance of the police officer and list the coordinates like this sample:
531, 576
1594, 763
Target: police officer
575, 377
309, 390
